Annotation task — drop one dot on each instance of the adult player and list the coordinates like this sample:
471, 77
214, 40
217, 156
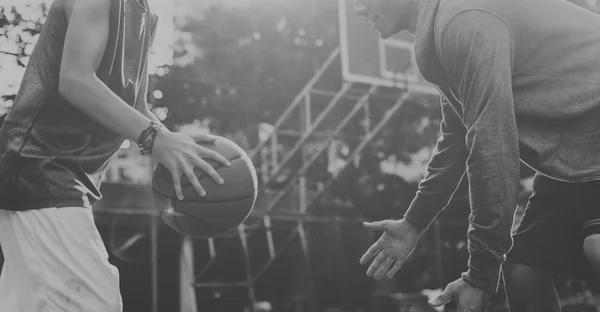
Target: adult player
520, 80
83, 93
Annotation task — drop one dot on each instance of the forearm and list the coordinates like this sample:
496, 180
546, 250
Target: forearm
147, 113
96, 100
493, 174
444, 171
435, 191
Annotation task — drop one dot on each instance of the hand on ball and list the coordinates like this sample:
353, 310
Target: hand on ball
181, 153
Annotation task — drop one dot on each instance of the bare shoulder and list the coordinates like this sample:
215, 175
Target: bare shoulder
86, 36
92, 9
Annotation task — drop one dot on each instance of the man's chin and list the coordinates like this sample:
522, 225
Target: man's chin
384, 35
388, 32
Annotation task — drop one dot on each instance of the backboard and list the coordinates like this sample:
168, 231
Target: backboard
366, 58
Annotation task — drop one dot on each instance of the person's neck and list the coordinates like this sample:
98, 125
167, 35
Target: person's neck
142, 3
413, 16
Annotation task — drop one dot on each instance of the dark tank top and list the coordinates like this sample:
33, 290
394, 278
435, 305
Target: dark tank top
52, 154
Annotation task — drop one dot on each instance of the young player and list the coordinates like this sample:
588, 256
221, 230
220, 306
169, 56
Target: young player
83, 93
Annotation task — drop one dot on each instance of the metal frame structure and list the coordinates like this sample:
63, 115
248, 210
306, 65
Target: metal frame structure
152, 217
275, 163
293, 163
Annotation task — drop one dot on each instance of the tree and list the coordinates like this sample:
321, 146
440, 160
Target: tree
20, 25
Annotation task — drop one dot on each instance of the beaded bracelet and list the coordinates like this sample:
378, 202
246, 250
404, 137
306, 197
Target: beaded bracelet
147, 137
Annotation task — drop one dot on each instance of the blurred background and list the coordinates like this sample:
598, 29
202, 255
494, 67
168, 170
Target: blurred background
340, 127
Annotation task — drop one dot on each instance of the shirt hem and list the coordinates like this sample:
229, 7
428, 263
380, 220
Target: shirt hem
557, 178
19, 205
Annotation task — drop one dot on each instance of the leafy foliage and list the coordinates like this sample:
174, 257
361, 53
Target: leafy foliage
20, 26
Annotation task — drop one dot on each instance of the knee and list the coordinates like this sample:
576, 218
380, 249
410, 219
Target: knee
515, 281
591, 248
517, 273
510, 271
524, 279
528, 288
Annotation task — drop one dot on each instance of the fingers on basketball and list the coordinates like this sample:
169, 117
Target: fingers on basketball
213, 155
208, 169
191, 175
176, 176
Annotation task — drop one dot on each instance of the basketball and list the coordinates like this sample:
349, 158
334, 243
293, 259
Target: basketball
223, 208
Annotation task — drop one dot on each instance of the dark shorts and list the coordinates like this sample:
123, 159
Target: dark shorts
557, 218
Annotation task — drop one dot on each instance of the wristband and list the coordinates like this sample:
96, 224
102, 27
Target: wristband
147, 137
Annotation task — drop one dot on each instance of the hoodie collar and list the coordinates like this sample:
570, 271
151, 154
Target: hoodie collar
426, 52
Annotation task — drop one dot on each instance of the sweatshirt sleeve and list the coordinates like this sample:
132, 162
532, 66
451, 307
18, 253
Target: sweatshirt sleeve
444, 171
477, 52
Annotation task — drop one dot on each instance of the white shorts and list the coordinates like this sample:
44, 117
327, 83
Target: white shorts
55, 260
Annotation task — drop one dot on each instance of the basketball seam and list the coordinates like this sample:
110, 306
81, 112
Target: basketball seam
228, 200
200, 220
201, 223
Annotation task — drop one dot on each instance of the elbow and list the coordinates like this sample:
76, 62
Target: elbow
71, 83
67, 83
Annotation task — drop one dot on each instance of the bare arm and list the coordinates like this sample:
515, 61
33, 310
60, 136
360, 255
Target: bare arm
141, 104
85, 42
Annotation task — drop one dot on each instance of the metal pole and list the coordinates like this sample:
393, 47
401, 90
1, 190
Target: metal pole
154, 250
274, 156
306, 253
367, 118
307, 119
250, 281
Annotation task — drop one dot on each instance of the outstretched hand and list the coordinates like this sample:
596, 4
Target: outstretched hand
397, 242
